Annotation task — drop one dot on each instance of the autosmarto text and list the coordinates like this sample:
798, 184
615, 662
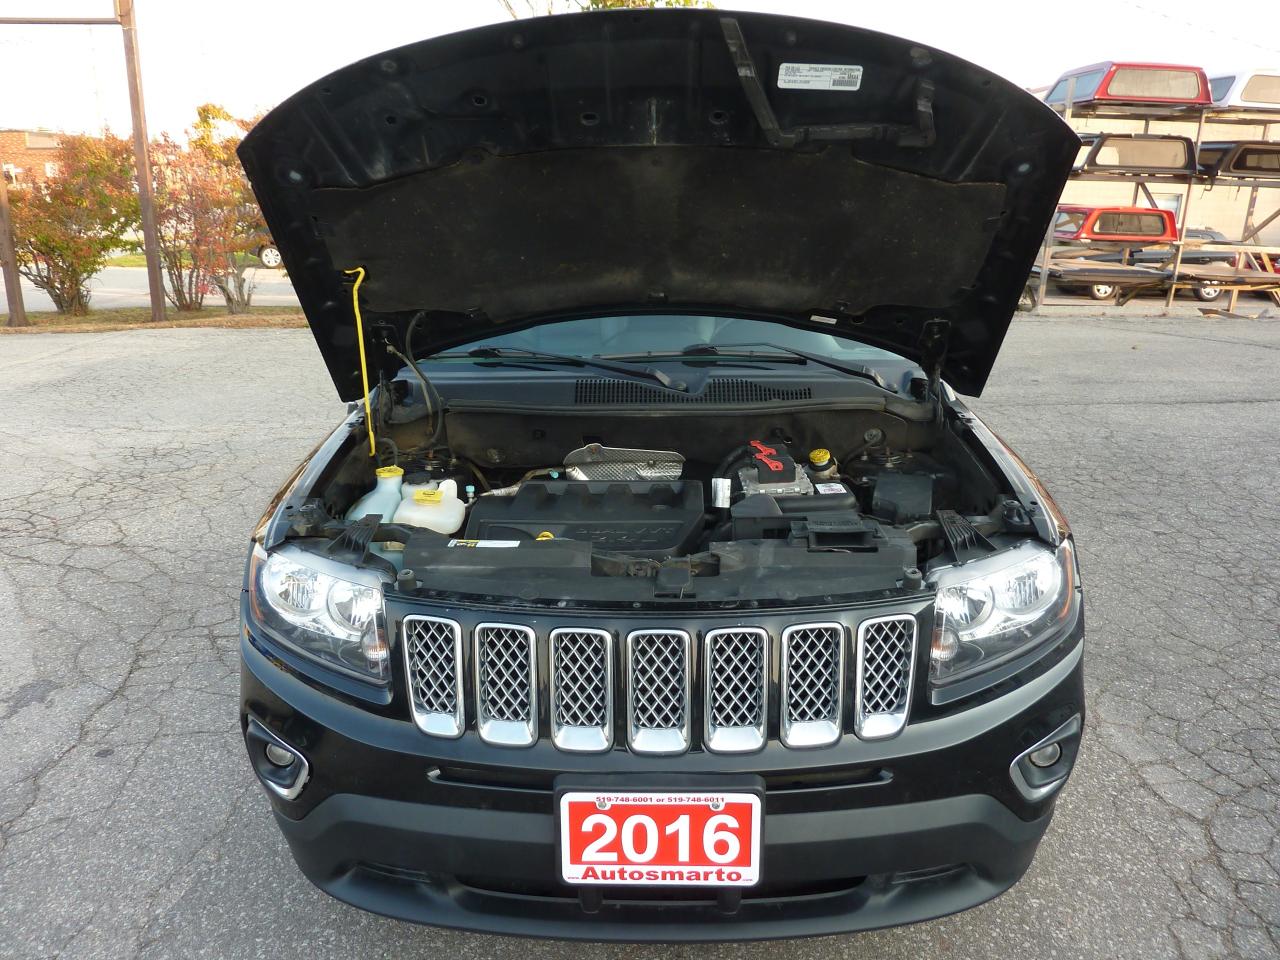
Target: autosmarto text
686, 874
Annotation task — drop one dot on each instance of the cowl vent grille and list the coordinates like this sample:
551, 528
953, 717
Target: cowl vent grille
597, 392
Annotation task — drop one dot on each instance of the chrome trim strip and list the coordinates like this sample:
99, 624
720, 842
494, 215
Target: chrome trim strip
448, 725
583, 739
815, 733
664, 741
507, 733
734, 739
882, 726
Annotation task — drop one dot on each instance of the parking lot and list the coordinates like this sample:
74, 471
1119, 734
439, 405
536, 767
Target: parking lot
134, 467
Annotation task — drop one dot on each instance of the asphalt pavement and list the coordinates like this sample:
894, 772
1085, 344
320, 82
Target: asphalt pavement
133, 466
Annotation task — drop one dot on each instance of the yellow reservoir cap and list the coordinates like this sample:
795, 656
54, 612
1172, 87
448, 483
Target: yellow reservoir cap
389, 472
819, 456
427, 496
545, 535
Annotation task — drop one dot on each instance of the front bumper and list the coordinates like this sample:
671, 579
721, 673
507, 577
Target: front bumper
857, 836
830, 872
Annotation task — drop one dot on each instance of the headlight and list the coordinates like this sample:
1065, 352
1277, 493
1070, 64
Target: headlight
995, 610
321, 608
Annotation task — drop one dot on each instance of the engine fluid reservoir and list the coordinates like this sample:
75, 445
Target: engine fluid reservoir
415, 482
383, 499
823, 466
440, 510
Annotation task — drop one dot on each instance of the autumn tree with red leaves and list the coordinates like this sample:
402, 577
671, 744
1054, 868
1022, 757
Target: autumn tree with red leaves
182, 205
209, 222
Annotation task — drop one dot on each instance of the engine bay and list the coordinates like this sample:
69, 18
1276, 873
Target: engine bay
737, 508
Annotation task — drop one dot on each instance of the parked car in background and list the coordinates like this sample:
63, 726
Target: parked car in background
1131, 83
269, 256
1191, 255
1247, 89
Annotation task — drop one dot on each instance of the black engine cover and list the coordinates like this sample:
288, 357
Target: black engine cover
654, 519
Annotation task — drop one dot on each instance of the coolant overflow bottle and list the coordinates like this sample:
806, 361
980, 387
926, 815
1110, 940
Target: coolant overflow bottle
440, 510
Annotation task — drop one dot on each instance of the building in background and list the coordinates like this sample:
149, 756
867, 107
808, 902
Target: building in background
28, 156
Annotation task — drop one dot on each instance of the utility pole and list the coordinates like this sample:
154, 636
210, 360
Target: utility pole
123, 18
9, 261
142, 158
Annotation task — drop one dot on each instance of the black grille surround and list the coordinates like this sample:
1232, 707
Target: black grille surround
663, 686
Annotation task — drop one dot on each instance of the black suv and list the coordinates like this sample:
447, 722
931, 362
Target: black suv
657, 585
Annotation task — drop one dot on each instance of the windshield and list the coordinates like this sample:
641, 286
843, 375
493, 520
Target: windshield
671, 333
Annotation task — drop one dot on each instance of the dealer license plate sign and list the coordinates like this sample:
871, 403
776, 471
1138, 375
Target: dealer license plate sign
687, 839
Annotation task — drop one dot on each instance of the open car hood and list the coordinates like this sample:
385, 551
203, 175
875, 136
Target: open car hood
685, 161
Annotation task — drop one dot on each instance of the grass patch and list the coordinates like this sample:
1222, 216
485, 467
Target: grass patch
139, 318
128, 260
140, 260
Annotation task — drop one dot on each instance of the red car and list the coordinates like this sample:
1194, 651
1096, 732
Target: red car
1136, 225
1115, 82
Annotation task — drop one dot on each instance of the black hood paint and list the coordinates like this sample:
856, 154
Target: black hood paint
633, 162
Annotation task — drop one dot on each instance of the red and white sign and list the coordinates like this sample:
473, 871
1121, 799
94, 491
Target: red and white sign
660, 839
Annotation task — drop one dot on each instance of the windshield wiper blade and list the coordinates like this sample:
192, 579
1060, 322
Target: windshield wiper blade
734, 349
706, 350
626, 369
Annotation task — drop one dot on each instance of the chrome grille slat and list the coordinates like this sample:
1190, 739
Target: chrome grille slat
736, 689
812, 669
506, 684
658, 670
581, 690
885, 671
658, 691
433, 664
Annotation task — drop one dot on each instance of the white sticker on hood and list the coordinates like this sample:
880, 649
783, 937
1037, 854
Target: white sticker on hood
819, 76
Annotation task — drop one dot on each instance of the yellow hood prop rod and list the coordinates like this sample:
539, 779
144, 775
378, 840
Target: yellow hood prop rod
364, 364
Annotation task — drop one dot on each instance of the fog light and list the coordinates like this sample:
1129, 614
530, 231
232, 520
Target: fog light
279, 756
1046, 756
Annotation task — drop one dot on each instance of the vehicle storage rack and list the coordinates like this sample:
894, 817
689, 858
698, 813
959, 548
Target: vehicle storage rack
1266, 258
